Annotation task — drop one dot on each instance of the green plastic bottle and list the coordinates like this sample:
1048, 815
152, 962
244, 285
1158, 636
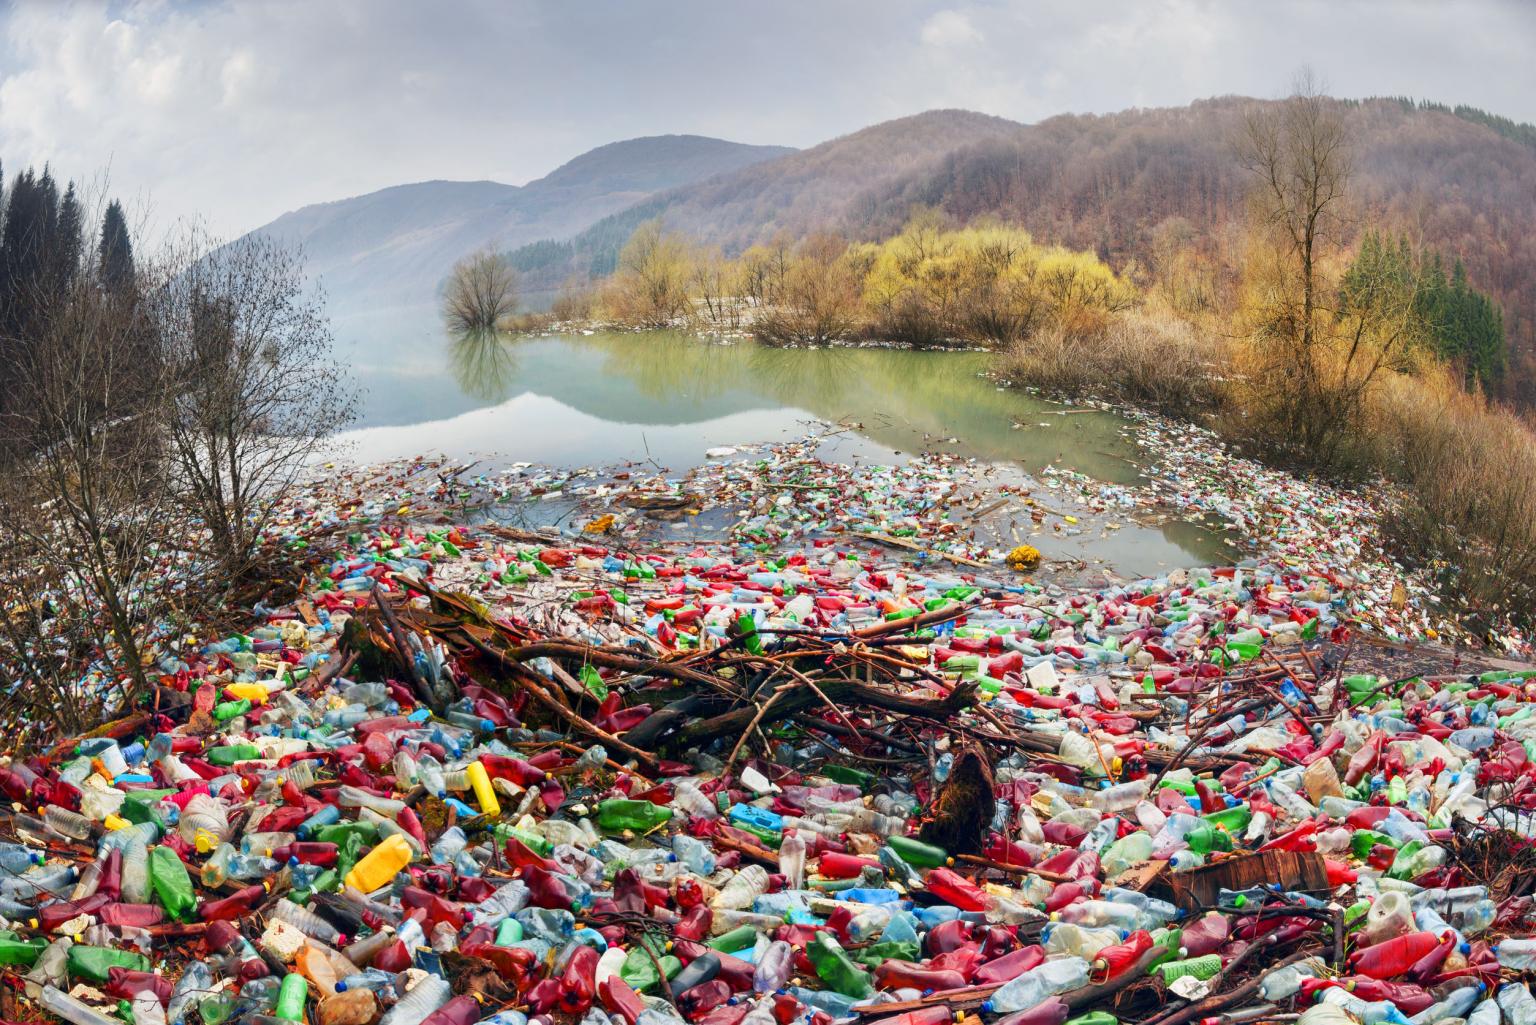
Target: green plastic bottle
172, 885
229, 754
836, 969
921, 855
1233, 820
509, 932
639, 970
1364, 839
1205, 838
1095, 1018
738, 938
92, 963
876, 954
337, 833
290, 997
849, 775
639, 816
16, 951
226, 710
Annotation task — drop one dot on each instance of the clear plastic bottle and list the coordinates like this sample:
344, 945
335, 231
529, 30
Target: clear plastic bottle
744, 887
68, 823
792, 861
195, 984
51, 968
1032, 987
425, 997
307, 922
774, 966
135, 881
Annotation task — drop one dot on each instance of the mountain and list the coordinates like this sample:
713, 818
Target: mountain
1121, 184
798, 193
393, 247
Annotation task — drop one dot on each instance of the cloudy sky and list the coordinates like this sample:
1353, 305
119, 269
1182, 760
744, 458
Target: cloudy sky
238, 110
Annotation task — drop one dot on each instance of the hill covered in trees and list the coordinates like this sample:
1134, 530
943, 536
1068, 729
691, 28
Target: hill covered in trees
393, 247
1157, 194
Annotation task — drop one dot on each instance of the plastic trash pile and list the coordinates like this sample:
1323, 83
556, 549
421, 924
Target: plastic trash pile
1160, 802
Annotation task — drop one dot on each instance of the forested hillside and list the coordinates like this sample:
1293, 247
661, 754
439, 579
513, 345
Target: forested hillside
1147, 190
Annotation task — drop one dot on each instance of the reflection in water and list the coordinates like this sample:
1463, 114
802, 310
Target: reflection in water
484, 363
663, 399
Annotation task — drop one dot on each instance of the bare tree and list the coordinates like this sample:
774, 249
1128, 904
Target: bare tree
252, 391
481, 292
1314, 359
86, 518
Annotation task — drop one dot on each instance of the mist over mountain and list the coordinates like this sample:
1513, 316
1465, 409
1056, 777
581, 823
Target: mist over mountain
393, 247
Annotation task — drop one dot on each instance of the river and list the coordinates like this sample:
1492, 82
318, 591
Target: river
665, 399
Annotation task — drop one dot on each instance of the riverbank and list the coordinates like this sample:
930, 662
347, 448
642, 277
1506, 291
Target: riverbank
964, 514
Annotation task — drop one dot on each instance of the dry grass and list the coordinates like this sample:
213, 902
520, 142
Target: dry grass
1141, 358
1468, 470
1465, 467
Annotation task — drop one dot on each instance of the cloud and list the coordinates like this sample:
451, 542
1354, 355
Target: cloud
239, 111
948, 30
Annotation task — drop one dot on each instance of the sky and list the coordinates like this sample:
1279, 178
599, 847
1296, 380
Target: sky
234, 112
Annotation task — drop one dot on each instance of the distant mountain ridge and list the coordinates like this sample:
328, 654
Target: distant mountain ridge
393, 247
1457, 178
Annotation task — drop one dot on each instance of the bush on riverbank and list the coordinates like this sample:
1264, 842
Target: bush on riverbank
930, 285
1142, 358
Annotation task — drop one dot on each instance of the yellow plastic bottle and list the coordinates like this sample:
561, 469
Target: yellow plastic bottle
255, 693
485, 794
380, 865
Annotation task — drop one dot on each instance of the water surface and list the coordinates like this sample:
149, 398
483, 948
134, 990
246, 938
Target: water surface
664, 400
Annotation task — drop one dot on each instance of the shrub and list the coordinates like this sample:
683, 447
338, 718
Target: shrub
481, 292
1142, 358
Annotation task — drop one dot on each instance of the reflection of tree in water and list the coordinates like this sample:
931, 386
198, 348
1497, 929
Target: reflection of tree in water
666, 364
484, 364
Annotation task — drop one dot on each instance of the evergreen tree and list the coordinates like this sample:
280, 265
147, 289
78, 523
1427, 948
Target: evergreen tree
1459, 324
68, 239
115, 251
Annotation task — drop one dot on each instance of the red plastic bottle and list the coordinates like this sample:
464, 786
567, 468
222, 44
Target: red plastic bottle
947, 936
232, 907
522, 773
1391, 958
843, 866
957, 890
1064, 894
1409, 999
695, 923
1053, 1011
1000, 849
139, 916
578, 982
939, 1014
1119, 957
307, 852
125, 983
1428, 966
620, 999
463, 1010
698, 1001
1009, 966
894, 974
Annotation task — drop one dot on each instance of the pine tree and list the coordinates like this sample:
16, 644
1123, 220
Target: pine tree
69, 238
115, 251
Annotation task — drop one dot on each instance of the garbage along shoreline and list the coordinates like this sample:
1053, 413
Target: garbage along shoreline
845, 759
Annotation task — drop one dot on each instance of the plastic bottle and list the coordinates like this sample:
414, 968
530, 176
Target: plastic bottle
380, 866
1035, 985
835, 968
425, 997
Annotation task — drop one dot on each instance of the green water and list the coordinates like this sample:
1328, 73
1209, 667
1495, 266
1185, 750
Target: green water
665, 399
